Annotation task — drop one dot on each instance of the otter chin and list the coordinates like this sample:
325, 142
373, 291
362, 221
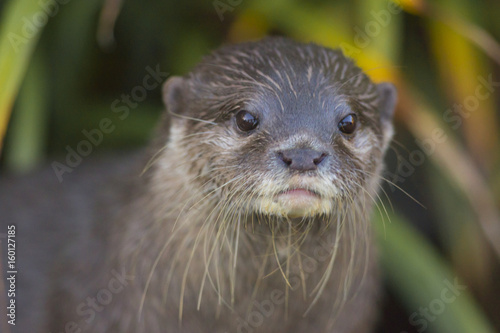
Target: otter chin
294, 203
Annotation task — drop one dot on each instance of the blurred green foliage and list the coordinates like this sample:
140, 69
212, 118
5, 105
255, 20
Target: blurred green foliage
436, 52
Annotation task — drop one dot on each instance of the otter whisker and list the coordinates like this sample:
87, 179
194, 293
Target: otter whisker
214, 246
277, 258
302, 276
219, 233
322, 283
190, 118
288, 286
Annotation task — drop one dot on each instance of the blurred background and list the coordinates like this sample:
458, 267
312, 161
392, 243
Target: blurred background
67, 64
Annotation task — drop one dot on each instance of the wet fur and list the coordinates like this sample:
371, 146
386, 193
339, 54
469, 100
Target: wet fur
199, 230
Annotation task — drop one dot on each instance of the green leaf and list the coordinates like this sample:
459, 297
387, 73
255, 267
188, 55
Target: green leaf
28, 128
422, 279
20, 28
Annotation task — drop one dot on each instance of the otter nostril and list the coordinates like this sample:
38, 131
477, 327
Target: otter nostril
318, 160
301, 159
288, 161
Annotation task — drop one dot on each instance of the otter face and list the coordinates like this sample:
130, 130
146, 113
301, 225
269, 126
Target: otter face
281, 128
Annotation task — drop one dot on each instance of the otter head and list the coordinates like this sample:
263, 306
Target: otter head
279, 128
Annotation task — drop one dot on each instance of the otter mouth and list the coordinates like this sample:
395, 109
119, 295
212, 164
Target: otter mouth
298, 193
298, 201
296, 197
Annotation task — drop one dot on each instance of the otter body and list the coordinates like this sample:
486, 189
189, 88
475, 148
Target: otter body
253, 210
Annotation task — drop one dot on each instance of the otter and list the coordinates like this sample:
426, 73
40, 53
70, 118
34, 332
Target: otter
249, 212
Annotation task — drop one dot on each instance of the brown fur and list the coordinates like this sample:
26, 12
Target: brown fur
200, 232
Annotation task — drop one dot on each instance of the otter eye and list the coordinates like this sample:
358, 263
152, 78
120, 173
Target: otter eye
348, 124
246, 121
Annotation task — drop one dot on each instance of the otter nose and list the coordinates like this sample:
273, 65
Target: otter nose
301, 159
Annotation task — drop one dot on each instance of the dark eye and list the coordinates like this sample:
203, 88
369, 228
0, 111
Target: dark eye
348, 124
246, 121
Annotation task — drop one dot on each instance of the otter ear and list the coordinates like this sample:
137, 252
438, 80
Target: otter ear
387, 101
173, 98
173, 94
